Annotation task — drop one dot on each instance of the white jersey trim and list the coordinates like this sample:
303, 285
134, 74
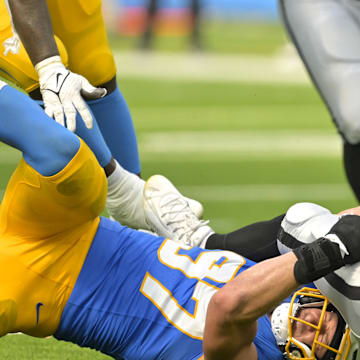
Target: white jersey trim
2, 84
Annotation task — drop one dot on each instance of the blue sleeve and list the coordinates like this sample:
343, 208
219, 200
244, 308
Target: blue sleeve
115, 122
46, 146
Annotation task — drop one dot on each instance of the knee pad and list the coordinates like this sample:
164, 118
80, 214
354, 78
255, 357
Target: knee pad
303, 224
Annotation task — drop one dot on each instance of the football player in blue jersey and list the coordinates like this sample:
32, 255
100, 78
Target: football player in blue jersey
67, 272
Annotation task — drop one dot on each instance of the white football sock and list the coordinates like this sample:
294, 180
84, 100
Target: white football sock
125, 198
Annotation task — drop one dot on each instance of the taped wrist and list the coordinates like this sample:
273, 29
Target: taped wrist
316, 260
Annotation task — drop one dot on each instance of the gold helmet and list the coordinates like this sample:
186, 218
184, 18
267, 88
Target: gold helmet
285, 315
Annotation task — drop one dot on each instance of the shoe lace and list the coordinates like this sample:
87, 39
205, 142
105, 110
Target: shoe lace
178, 217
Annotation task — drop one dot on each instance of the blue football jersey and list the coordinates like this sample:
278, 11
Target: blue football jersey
265, 341
141, 297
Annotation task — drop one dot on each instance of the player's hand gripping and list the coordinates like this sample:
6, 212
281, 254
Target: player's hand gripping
346, 232
63, 92
341, 246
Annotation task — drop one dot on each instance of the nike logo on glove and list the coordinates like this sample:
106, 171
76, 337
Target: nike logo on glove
38, 305
60, 79
57, 79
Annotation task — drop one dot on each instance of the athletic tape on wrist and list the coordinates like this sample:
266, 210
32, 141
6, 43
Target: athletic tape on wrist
316, 260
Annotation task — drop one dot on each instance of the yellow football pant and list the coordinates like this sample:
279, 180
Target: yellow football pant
81, 38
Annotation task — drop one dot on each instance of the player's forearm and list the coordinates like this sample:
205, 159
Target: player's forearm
231, 322
33, 24
305, 264
258, 290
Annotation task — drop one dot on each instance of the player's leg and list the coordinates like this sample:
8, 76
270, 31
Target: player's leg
43, 143
115, 122
23, 125
196, 10
325, 34
57, 192
48, 148
171, 216
256, 241
147, 37
17, 68
125, 191
80, 26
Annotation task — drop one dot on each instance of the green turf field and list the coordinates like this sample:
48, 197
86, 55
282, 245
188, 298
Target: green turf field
246, 151
226, 37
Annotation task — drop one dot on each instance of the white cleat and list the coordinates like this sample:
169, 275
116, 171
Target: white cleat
168, 213
196, 207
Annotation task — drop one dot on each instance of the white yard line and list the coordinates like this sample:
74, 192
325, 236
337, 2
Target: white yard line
226, 146
282, 68
212, 145
268, 192
265, 192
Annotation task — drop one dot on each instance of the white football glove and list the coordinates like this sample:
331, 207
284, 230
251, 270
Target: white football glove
62, 93
303, 224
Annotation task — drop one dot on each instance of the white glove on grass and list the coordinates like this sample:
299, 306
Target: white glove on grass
62, 93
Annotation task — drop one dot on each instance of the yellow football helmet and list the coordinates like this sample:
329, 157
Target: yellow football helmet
285, 315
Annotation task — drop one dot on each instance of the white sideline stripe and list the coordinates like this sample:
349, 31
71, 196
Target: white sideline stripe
268, 192
262, 192
242, 143
227, 146
284, 67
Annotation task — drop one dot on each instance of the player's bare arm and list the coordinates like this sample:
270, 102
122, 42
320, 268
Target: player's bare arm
33, 24
231, 322
351, 211
61, 90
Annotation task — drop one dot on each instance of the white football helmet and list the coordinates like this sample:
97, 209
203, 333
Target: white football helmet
344, 345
